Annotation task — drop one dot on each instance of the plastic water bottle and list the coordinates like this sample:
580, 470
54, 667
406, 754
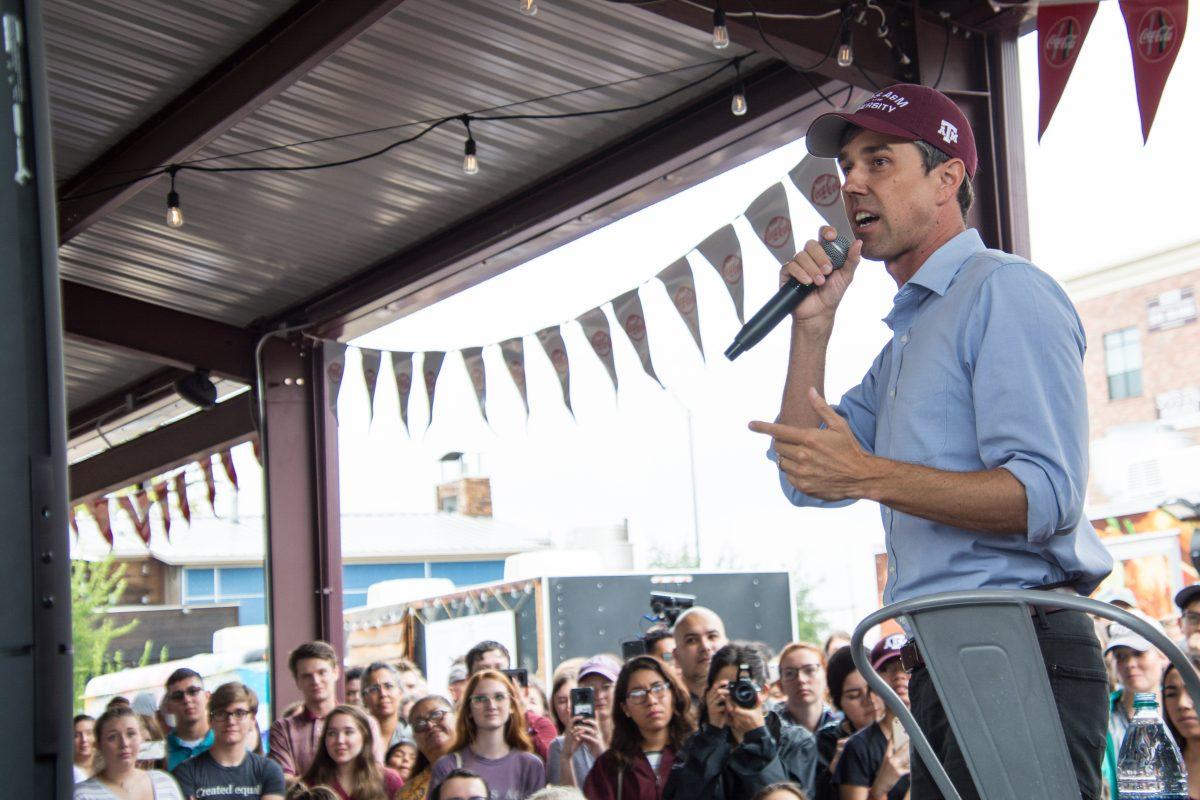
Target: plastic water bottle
1150, 766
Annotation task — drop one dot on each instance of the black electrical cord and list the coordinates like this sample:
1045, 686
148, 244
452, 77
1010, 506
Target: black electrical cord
802, 70
945, 56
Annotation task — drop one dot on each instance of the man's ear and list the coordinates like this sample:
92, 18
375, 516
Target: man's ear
951, 174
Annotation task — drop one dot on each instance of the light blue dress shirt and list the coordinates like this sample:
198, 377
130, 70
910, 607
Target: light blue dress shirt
984, 370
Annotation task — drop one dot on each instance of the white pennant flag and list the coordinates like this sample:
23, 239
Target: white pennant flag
513, 351
628, 308
681, 288
370, 370
769, 217
819, 182
334, 354
596, 330
402, 371
473, 358
430, 367
556, 350
723, 250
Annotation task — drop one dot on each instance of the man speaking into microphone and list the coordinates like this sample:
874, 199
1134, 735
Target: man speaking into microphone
970, 428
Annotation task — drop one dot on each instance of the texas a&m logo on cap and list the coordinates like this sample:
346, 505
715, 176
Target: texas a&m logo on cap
948, 132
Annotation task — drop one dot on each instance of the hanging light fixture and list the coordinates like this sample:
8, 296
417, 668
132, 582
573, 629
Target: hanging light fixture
720, 37
845, 53
529, 7
738, 105
470, 162
174, 212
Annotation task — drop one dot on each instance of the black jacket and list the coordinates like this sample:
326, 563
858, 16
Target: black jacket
712, 767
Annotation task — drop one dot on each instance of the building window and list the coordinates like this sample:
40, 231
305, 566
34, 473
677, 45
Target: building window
1123, 363
240, 586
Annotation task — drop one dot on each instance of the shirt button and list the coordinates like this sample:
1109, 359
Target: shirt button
891, 392
904, 339
891, 571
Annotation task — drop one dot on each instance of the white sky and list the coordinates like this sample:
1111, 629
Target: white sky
1096, 196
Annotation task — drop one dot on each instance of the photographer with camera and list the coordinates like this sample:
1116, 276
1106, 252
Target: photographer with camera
741, 746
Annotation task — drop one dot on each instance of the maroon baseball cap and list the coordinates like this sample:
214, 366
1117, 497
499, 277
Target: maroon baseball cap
886, 649
907, 110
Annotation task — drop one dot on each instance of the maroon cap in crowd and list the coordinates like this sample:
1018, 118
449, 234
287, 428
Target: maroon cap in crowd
907, 110
886, 649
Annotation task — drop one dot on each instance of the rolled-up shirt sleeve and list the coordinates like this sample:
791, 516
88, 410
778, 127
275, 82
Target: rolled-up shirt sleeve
1026, 345
857, 407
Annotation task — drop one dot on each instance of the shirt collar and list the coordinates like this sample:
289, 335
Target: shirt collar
940, 268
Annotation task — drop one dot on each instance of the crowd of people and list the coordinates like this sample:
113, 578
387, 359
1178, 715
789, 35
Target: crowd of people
697, 717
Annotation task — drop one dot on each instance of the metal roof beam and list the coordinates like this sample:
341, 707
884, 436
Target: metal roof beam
655, 162
151, 388
228, 424
173, 338
259, 71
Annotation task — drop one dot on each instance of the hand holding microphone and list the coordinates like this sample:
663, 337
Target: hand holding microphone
812, 285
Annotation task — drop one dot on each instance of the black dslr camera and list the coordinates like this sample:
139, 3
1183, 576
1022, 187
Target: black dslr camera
744, 691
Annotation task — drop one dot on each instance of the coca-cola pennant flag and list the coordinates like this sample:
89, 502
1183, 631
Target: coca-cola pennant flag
769, 218
370, 371
256, 447
163, 501
431, 366
334, 354
681, 288
209, 482
818, 180
723, 250
227, 464
473, 359
100, 513
556, 350
1155, 29
181, 498
628, 308
140, 524
513, 352
141, 500
1061, 31
402, 371
596, 331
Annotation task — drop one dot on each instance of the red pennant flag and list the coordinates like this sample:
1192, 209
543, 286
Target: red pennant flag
257, 448
74, 522
100, 512
207, 468
185, 508
230, 472
1155, 29
140, 524
164, 506
1061, 31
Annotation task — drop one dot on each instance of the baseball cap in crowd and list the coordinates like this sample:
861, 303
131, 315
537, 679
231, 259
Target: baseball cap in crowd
886, 649
458, 673
907, 110
600, 665
1186, 595
1121, 636
1121, 594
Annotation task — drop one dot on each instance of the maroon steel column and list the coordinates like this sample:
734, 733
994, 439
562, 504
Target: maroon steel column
304, 546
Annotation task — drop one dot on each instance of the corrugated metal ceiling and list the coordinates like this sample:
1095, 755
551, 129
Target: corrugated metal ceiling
254, 244
94, 371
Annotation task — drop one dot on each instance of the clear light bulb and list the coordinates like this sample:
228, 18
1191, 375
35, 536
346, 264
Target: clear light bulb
720, 38
470, 162
738, 106
529, 7
845, 55
174, 212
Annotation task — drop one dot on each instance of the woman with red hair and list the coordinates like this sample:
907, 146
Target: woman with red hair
490, 739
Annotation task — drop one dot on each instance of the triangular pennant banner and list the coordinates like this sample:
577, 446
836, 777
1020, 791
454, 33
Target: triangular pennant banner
723, 250
430, 367
513, 352
181, 498
74, 521
818, 180
769, 217
141, 500
473, 359
140, 524
227, 464
681, 288
209, 482
163, 500
101, 513
1061, 31
256, 446
556, 350
334, 354
1155, 29
402, 371
628, 308
370, 371
596, 330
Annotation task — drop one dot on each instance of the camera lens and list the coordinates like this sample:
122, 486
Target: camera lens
744, 693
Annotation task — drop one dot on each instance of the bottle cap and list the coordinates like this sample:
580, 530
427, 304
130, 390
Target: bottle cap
1145, 700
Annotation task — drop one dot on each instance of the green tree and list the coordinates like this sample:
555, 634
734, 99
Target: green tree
95, 586
810, 623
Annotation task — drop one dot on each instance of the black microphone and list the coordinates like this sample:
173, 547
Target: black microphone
787, 298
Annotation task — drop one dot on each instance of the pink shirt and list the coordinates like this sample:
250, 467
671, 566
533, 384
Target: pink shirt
294, 741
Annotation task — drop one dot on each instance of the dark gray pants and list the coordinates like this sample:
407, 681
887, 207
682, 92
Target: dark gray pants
1078, 679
